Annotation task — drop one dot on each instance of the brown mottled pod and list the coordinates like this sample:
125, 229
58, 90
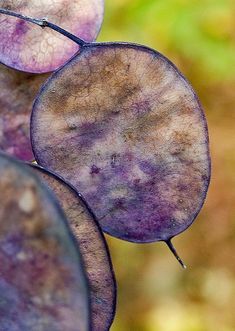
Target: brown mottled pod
93, 248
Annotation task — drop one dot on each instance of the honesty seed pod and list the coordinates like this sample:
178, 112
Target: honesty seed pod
42, 281
31, 49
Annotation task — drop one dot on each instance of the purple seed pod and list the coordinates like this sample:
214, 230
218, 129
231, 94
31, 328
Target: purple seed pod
124, 127
42, 281
28, 48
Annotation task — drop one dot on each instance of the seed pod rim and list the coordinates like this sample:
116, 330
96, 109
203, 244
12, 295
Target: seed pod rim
101, 235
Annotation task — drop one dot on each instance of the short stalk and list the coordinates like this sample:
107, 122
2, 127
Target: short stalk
43, 23
173, 250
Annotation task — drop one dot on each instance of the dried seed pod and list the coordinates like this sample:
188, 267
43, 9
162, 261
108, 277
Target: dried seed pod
32, 49
42, 282
122, 124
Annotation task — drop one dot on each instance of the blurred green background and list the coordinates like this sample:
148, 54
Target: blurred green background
154, 293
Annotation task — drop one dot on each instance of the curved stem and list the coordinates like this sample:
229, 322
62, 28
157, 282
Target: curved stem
43, 23
173, 250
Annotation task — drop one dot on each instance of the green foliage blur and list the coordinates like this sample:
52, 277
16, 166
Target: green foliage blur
154, 293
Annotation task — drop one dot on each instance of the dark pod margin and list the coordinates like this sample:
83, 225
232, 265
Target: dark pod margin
92, 246
42, 282
26, 48
122, 124
17, 93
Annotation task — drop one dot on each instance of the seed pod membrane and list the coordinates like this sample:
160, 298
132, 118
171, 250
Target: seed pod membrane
42, 283
26, 47
127, 130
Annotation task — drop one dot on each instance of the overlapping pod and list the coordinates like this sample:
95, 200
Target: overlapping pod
28, 48
42, 281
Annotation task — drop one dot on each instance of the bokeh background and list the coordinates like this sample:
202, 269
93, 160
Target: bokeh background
154, 293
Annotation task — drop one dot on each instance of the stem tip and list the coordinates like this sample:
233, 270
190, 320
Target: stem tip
173, 250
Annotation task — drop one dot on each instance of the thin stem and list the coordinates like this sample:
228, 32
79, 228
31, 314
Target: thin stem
173, 250
43, 23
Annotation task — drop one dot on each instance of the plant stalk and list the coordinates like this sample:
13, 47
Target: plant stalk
173, 250
43, 23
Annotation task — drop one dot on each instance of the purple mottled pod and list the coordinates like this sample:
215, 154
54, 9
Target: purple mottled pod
122, 124
32, 49
42, 281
